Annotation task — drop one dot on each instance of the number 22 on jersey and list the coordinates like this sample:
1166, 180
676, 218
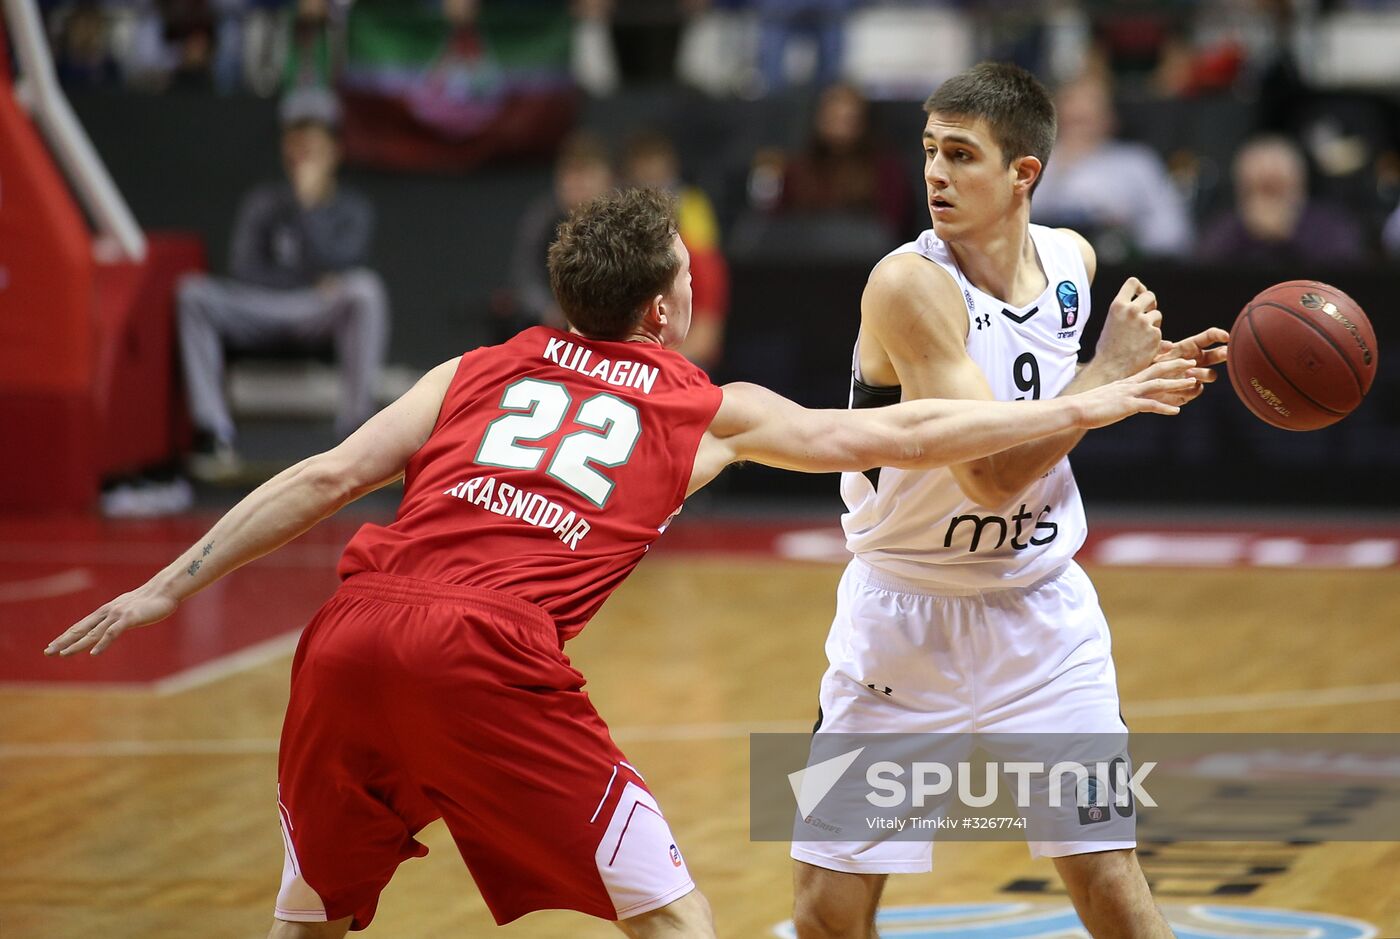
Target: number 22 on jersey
518, 439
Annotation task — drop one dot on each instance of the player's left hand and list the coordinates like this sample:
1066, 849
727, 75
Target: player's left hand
1132, 330
102, 626
1161, 388
1208, 348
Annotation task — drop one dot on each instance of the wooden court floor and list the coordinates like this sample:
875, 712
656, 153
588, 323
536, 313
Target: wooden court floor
134, 815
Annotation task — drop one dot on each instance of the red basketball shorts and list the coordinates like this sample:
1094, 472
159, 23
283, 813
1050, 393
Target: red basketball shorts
413, 701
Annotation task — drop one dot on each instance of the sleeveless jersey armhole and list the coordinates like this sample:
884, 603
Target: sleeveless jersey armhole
444, 409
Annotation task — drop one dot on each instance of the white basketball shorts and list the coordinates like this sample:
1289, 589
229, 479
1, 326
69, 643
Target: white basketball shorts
906, 660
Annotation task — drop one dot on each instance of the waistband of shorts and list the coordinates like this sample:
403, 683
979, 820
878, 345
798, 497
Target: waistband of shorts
394, 588
883, 580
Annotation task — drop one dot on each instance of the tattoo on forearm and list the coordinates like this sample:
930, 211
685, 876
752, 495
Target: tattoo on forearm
197, 563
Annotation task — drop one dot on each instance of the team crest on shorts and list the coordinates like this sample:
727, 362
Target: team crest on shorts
1068, 296
675, 856
1089, 810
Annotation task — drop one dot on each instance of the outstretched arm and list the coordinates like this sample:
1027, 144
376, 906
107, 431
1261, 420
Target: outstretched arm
274, 513
756, 424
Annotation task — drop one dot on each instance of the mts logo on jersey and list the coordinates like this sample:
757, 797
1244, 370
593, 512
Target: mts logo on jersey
980, 524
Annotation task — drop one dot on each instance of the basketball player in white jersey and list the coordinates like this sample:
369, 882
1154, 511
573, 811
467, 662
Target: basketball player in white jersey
962, 610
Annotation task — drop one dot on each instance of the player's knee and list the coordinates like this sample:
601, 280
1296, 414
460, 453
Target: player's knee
1104, 873
829, 904
819, 916
365, 289
686, 918
1110, 893
282, 929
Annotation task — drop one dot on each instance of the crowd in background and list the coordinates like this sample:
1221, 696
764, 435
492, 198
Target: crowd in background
1186, 129
583, 171
1193, 131
1261, 170
1321, 172
1173, 47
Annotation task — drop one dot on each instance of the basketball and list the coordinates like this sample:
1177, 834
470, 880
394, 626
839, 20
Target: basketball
1302, 355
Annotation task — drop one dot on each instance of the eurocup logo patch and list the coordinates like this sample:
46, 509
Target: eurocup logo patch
1068, 295
1089, 810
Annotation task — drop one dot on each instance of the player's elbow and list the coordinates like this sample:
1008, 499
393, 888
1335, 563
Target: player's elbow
327, 481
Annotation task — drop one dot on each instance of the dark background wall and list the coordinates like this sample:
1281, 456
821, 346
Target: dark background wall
798, 325
443, 242
443, 245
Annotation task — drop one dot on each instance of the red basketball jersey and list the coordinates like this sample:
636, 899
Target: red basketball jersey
556, 461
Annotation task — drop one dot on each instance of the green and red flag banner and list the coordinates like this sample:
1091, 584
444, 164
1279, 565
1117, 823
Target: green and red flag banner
422, 93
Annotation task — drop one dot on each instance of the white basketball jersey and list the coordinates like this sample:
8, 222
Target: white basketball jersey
916, 524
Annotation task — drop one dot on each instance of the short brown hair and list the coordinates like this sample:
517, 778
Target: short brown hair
612, 255
1017, 108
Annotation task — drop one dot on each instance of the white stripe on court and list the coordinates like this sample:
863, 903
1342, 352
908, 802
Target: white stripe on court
154, 553
669, 733
138, 748
663, 733
1266, 701
41, 588
260, 653
225, 665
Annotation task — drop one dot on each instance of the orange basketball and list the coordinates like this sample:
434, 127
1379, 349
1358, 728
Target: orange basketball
1302, 355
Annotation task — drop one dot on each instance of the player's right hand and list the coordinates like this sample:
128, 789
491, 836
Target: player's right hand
102, 626
1132, 331
1161, 388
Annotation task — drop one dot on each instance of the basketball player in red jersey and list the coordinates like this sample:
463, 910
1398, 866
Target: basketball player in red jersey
536, 473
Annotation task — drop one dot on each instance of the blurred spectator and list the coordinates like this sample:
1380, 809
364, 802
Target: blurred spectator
1390, 236
1154, 47
189, 30
781, 20
1135, 40
309, 59
81, 47
1281, 87
845, 168
227, 64
644, 35
650, 161
582, 171
1016, 31
230, 45
1117, 194
1274, 220
297, 276
259, 55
